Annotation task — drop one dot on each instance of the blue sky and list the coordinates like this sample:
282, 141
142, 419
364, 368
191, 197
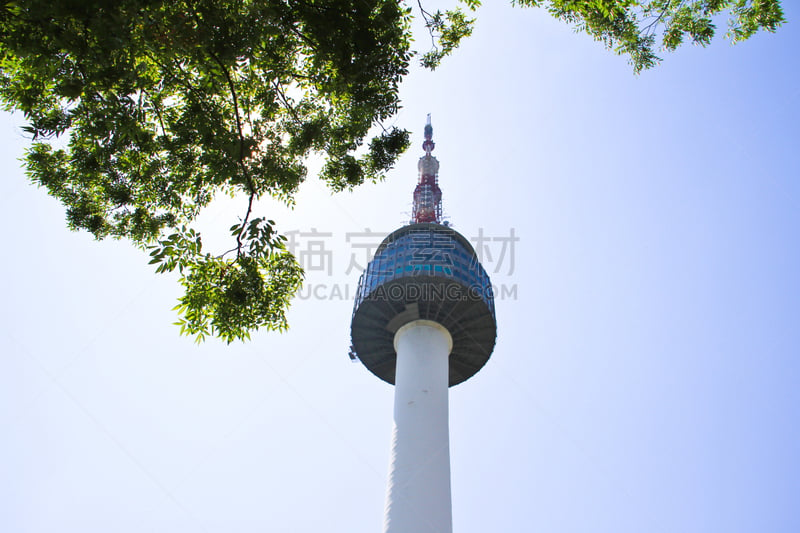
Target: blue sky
646, 372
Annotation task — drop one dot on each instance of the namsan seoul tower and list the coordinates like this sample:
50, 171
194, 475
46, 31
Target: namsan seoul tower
423, 320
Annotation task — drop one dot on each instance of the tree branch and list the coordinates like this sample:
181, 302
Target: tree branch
158, 113
285, 101
426, 16
249, 181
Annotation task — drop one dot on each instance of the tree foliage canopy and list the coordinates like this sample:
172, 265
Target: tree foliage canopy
636, 27
168, 103
165, 104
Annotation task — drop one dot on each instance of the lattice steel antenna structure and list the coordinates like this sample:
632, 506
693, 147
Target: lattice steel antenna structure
423, 320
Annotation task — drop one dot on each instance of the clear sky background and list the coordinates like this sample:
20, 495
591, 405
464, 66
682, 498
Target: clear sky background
647, 372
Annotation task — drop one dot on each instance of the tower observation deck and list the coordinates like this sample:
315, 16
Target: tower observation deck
424, 271
423, 320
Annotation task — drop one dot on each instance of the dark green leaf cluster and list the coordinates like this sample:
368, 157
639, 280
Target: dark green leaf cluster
631, 27
142, 111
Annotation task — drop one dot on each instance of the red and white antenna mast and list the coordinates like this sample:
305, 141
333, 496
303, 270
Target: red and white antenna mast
427, 194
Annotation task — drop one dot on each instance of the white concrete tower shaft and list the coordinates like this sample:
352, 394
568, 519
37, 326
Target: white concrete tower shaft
418, 496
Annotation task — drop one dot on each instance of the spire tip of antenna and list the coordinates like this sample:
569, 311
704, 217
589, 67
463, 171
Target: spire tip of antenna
428, 144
